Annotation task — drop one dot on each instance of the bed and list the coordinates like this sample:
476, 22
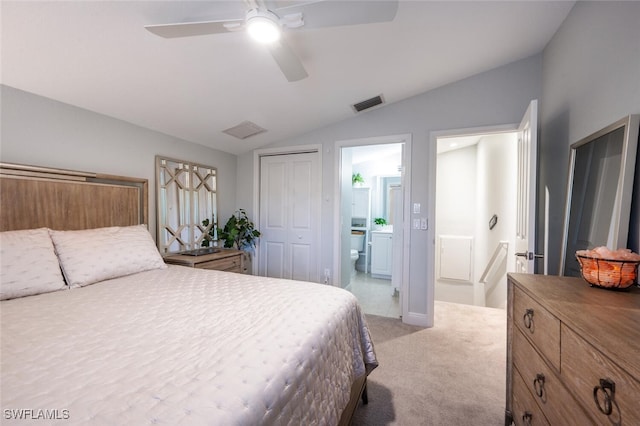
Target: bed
96, 329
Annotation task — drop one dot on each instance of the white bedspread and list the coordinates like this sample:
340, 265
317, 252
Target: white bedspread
183, 346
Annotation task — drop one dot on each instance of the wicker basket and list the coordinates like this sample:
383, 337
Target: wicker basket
609, 273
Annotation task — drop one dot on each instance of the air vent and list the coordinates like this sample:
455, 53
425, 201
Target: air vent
369, 103
244, 130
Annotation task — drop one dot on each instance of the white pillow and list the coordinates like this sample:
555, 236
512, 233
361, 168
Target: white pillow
93, 255
28, 264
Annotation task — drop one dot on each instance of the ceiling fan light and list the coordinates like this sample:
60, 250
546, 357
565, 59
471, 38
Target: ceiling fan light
263, 26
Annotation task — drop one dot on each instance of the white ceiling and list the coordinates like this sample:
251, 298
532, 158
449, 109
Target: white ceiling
97, 55
447, 144
390, 152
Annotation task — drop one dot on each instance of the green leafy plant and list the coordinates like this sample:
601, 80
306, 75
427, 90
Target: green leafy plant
210, 236
380, 221
239, 231
357, 178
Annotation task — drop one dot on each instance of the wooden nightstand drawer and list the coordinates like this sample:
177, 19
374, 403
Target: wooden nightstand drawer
538, 325
221, 260
525, 410
583, 368
545, 385
231, 264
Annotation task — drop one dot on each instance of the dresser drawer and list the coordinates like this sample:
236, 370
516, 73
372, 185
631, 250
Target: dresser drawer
538, 324
545, 385
583, 367
231, 264
525, 410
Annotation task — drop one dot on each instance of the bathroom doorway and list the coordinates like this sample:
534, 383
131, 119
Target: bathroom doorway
371, 237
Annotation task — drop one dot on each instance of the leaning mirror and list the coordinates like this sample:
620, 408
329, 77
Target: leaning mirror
186, 204
599, 191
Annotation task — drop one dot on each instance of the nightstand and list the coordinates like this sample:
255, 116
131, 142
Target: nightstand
229, 260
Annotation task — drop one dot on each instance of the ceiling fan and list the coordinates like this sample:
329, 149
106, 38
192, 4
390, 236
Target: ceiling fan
270, 22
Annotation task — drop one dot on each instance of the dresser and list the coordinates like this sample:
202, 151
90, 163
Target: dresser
229, 260
573, 353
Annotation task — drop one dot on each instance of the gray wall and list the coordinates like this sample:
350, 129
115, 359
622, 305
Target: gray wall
591, 78
496, 97
43, 132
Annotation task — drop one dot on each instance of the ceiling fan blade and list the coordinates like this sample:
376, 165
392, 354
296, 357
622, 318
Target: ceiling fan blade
287, 61
188, 29
326, 13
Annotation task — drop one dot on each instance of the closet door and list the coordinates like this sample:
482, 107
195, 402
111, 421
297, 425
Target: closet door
290, 216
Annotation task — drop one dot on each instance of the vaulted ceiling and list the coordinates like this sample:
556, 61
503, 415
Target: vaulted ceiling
98, 55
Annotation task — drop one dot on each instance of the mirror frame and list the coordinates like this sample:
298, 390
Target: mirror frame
189, 232
619, 228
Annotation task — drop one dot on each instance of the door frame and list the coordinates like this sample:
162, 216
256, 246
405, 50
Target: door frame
284, 150
433, 161
406, 139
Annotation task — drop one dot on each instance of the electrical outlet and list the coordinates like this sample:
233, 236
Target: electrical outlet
424, 224
416, 223
416, 208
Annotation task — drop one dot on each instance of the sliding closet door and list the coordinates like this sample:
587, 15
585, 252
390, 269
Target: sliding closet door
290, 216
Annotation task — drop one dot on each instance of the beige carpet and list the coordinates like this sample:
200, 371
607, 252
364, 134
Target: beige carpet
451, 374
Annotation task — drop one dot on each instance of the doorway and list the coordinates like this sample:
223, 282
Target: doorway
371, 238
524, 231
475, 217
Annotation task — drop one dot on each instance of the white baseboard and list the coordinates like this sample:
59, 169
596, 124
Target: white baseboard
413, 318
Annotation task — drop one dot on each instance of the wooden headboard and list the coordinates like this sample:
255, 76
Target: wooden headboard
35, 197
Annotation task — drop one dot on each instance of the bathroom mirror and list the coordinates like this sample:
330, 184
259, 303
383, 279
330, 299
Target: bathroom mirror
386, 196
186, 196
599, 190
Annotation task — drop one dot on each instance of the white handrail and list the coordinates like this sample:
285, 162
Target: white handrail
492, 262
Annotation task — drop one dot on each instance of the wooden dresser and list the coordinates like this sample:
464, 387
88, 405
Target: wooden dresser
573, 353
229, 260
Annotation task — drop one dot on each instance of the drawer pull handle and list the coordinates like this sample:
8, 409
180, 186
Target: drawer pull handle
528, 319
608, 389
527, 417
538, 384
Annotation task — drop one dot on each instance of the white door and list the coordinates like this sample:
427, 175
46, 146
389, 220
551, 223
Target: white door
346, 194
526, 192
397, 205
290, 216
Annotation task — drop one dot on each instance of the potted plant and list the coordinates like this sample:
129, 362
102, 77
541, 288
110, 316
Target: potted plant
239, 232
357, 179
379, 222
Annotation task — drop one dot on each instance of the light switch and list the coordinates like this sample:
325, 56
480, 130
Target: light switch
424, 223
416, 208
416, 223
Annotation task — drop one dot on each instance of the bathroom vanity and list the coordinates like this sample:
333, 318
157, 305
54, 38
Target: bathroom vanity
381, 253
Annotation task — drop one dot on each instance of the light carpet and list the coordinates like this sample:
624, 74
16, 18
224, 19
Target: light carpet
451, 374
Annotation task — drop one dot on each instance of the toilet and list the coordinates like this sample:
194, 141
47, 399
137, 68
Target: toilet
354, 259
357, 245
